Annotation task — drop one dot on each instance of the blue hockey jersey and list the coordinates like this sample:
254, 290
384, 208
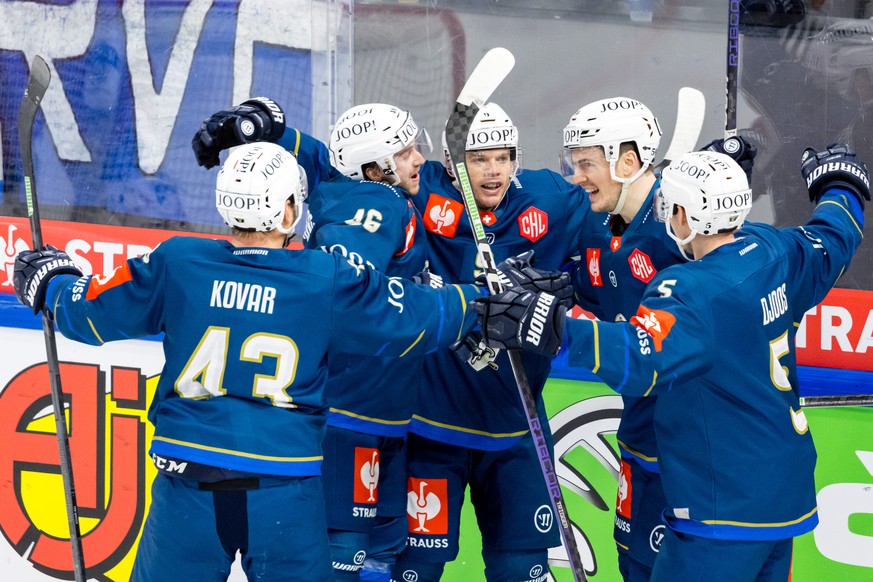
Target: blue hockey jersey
609, 280
541, 211
374, 224
714, 340
248, 332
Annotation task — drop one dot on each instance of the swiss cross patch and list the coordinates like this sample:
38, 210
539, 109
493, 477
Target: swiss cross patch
427, 506
625, 494
656, 323
488, 218
592, 258
410, 234
641, 266
442, 215
533, 223
366, 475
615, 244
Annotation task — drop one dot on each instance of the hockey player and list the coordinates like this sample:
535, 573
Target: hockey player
360, 208
609, 148
714, 340
469, 429
239, 410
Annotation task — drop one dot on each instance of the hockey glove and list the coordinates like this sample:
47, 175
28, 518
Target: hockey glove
835, 167
524, 320
473, 350
518, 273
34, 270
427, 278
739, 149
258, 119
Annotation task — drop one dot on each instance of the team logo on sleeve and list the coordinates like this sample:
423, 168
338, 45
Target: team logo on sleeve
592, 259
533, 224
641, 266
99, 283
656, 323
427, 506
367, 475
624, 496
409, 240
442, 215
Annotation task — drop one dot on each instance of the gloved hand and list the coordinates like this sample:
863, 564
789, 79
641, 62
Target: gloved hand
473, 350
34, 270
518, 273
258, 119
427, 278
739, 149
522, 320
835, 167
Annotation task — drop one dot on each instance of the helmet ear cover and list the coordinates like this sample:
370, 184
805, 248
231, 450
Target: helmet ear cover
253, 185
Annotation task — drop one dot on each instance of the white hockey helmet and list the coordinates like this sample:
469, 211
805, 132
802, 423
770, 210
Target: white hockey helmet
711, 187
491, 129
838, 52
253, 185
608, 123
373, 132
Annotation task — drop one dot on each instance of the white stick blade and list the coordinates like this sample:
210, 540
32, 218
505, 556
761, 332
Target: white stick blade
691, 111
488, 74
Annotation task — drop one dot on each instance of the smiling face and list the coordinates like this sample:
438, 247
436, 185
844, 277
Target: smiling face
490, 172
591, 171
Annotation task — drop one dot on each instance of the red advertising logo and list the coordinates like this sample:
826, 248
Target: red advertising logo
641, 266
624, 497
367, 470
427, 504
533, 223
32, 512
442, 215
592, 256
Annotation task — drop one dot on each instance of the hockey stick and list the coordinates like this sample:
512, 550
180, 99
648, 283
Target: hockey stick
690, 113
488, 74
842, 400
733, 68
37, 84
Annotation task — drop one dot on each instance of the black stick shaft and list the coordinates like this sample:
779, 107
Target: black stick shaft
37, 84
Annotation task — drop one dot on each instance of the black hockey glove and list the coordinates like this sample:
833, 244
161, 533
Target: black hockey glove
739, 149
258, 119
524, 320
427, 278
835, 167
518, 273
473, 350
34, 270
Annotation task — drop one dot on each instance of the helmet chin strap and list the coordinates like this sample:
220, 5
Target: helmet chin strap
625, 185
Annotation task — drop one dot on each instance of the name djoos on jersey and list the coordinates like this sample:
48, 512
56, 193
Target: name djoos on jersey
774, 304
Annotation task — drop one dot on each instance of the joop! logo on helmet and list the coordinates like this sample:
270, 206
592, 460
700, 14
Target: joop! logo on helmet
492, 138
230, 201
736, 201
617, 104
357, 128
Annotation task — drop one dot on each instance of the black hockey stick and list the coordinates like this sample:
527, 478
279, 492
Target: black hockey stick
484, 79
37, 84
842, 400
733, 68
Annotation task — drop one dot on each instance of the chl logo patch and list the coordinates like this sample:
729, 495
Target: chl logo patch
641, 266
442, 215
592, 258
367, 470
427, 504
533, 224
